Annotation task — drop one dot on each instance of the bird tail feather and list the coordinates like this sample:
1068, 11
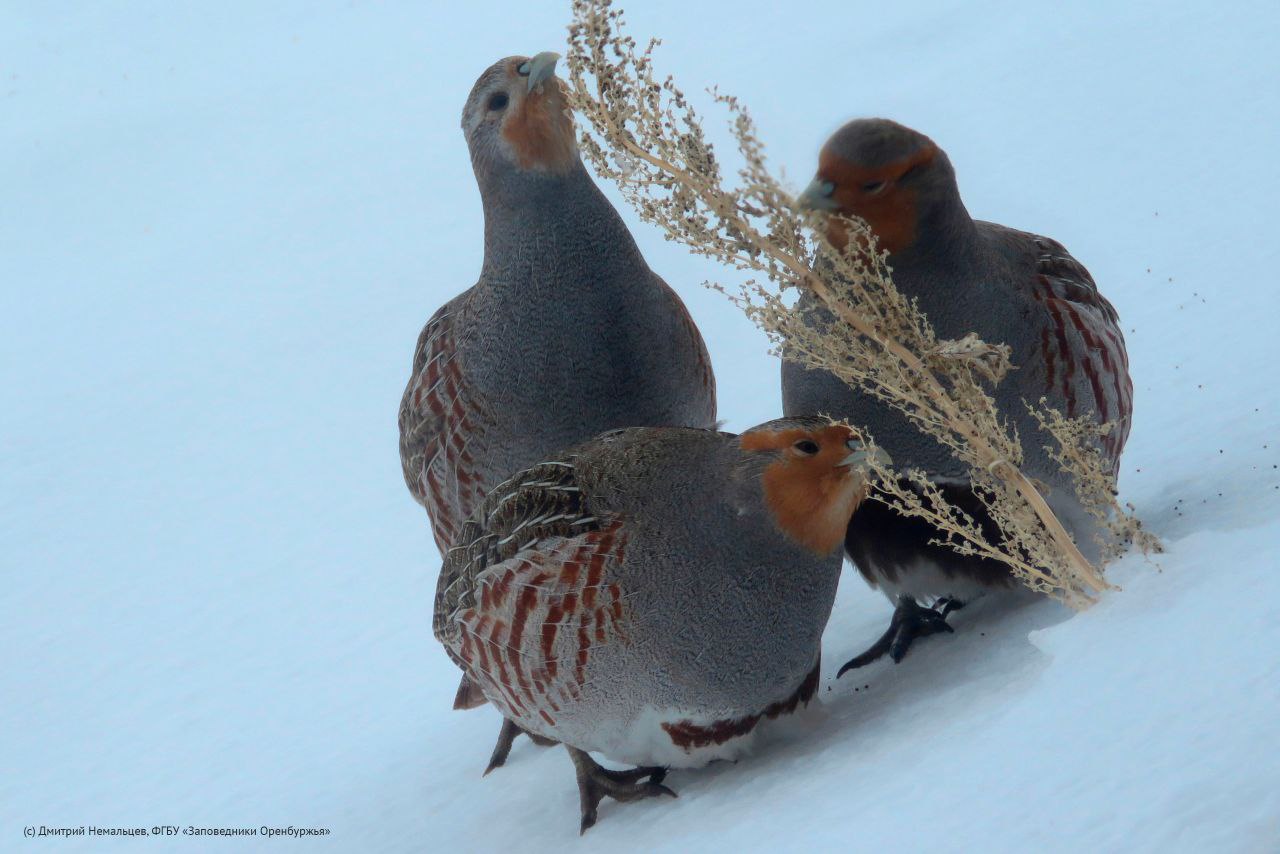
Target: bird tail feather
469, 695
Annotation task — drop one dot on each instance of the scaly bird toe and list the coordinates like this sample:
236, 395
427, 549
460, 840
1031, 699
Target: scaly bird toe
917, 623
910, 621
596, 782
506, 736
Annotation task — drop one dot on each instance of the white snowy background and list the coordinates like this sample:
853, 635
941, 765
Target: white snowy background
222, 226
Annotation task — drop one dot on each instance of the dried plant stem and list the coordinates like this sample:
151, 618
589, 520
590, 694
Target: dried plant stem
1013, 476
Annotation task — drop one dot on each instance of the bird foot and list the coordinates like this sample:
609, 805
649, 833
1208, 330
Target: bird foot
910, 621
595, 782
506, 736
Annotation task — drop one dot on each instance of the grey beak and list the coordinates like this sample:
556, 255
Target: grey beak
817, 196
862, 456
541, 68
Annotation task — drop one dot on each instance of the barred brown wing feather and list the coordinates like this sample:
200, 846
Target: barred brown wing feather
439, 415
525, 596
542, 501
1082, 343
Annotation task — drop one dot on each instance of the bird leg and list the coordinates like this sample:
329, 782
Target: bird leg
910, 621
508, 734
595, 782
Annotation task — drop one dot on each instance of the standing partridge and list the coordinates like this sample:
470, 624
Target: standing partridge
966, 276
567, 332
654, 593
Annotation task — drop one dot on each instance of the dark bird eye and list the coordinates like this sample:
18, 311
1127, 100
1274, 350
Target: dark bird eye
498, 101
873, 186
808, 447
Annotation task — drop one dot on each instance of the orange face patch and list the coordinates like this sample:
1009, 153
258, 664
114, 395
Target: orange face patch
811, 496
540, 130
890, 211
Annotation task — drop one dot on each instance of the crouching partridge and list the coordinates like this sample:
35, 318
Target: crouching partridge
966, 275
654, 593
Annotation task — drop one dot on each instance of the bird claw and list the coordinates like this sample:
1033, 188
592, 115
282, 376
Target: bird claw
596, 782
910, 621
506, 736
925, 622
946, 605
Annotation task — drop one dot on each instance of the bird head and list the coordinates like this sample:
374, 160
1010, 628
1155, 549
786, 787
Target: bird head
813, 474
884, 173
516, 118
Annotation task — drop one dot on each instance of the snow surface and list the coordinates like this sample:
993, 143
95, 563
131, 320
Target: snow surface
223, 225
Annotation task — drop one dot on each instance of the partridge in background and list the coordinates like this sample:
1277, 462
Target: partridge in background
967, 276
655, 592
566, 334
